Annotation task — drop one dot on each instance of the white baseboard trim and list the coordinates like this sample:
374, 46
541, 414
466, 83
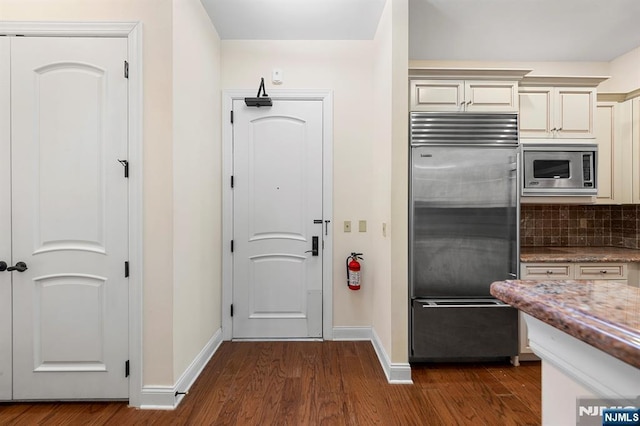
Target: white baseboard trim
164, 397
397, 373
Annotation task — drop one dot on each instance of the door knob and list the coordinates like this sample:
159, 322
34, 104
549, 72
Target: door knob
3, 265
20, 267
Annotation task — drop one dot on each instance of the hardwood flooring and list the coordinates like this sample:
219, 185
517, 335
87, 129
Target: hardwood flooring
318, 383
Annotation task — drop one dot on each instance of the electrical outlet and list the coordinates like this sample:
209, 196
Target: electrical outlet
583, 223
362, 226
347, 226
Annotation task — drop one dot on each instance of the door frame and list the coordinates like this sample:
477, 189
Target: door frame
132, 31
326, 97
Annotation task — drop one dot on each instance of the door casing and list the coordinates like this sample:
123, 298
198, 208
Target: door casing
326, 96
132, 31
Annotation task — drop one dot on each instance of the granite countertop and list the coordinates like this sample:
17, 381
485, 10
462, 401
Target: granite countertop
579, 254
604, 314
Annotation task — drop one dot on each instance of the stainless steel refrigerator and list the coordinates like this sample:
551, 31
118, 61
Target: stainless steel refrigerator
464, 214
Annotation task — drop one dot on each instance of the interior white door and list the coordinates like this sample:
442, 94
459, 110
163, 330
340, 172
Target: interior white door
277, 204
69, 217
5, 221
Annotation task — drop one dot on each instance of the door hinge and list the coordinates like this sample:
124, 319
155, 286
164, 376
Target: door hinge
125, 164
126, 368
126, 69
231, 246
232, 181
231, 116
232, 309
126, 269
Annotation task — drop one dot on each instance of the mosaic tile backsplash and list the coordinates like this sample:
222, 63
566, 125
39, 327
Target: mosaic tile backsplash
556, 225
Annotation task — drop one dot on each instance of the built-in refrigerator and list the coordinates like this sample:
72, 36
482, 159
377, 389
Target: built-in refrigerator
464, 213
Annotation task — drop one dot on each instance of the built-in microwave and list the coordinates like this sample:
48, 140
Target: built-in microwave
559, 169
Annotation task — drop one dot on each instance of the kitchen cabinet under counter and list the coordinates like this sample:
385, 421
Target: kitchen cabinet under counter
587, 334
605, 264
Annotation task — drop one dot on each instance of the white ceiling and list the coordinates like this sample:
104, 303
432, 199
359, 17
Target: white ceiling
483, 30
523, 30
295, 19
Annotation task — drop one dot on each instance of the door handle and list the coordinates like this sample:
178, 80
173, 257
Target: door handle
3, 265
20, 267
314, 246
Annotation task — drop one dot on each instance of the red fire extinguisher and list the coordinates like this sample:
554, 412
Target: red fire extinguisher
353, 271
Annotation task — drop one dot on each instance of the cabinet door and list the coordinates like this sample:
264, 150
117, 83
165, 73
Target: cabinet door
536, 112
636, 150
574, 112
497, 96
437, 95
605, 139
613, 135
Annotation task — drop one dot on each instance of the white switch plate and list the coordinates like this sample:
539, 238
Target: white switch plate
347, 226
276, 76
362, 226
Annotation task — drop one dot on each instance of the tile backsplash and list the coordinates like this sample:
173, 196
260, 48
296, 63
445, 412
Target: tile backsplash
566, 225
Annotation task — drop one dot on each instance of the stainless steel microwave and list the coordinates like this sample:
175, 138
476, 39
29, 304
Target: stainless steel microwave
556, 168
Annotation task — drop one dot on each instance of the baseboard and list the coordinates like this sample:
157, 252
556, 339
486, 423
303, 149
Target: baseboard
399, 373
168, 397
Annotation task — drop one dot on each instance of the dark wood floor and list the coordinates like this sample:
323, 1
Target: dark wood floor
314, 383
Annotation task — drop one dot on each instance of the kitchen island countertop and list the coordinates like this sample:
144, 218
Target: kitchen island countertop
603, 314
578, 254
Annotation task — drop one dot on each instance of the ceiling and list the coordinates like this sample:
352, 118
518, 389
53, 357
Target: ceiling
473, 30
295, 19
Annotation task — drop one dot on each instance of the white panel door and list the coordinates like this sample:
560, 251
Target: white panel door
5, 220
69, 220
277, 202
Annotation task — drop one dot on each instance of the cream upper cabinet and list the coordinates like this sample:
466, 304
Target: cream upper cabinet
635, 154
557, 112
615, 160
464, 95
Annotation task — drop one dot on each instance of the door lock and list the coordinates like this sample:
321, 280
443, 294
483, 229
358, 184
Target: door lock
314, 246
20, 267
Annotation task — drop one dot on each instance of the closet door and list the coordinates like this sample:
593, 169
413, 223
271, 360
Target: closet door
5, 221
69, 217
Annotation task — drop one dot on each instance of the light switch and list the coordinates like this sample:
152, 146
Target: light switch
362, 226
276, 76
347, 226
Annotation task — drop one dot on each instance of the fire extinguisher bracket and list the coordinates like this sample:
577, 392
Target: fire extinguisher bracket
353, 271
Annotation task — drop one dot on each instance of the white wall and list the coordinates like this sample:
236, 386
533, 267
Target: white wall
344, 67
381, 180
399, 181
625, 72
196, 182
